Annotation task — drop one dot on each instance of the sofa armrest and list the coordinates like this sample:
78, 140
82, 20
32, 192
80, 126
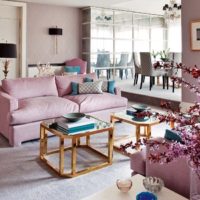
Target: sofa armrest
118, 91
7, 102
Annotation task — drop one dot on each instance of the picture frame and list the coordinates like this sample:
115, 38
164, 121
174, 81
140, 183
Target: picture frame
195, 35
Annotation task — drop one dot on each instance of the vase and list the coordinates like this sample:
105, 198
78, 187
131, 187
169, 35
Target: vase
194, 184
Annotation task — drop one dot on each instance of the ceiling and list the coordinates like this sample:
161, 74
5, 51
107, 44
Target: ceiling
146, 6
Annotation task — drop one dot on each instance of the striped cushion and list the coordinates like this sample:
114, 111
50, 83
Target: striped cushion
90, 88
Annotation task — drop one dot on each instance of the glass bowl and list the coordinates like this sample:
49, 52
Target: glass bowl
153, 184
124, 185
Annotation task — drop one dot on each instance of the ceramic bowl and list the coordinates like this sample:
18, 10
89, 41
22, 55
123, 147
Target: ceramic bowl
153, 184
140, 107
74, 117
124, 185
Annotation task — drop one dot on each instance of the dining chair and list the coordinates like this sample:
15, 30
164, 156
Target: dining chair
103, 61
177, 58
78, 62
122, 65
147, 69
137, 65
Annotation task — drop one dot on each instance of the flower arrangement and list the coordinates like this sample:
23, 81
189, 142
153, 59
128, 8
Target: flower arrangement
187, 127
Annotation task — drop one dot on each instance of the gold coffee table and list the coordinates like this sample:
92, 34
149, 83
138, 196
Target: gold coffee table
106, 159
123, 117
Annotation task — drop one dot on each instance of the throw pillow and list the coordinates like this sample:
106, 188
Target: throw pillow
88, 79
90, 88
109, 86
172, 135
69, 73
74, 88
70, 69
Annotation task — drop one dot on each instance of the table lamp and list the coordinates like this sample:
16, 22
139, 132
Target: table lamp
7, 51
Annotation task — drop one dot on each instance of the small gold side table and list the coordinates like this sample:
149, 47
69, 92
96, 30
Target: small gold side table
75, 144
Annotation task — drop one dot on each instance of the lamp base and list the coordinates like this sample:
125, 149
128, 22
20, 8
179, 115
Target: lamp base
5, 70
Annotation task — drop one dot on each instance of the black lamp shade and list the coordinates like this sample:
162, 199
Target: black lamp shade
8, 50
55, 31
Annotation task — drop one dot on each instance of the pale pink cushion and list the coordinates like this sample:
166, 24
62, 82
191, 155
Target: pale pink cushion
64, 82
22, 88
40, 108
95, 102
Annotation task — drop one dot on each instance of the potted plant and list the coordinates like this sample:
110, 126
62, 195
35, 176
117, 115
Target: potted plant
187, 127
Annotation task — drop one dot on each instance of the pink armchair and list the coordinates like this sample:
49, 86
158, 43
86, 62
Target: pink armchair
176, 174
78, 62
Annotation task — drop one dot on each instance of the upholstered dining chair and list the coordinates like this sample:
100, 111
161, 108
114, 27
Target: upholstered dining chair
177, 58
147, 69
103, 61
122, 65
78, 62
137, 65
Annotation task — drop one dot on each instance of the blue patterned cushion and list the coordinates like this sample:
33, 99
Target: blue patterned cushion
172, 135
72, 69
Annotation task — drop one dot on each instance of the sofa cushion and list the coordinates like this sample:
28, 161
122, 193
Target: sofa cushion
40, 108
22, 88
64, 82
91, 87
95, 102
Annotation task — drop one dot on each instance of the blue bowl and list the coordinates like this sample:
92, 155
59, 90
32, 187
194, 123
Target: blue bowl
146, 196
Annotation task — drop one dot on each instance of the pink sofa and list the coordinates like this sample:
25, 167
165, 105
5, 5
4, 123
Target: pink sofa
25, 102
176, 175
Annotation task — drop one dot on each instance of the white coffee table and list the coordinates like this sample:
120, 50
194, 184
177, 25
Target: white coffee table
112, 193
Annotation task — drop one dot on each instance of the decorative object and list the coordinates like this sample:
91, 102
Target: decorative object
187, 128
172, 11
124, 185
164, 55
195, 35
56, 31
140, 107
146, 196
74, 117
153, 184
7, 50
44, 70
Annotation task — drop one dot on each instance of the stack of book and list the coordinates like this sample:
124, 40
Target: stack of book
73, 127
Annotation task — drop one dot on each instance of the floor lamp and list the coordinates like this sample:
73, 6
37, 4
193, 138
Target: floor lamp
7, 51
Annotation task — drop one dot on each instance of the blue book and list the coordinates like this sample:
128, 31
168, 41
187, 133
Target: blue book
76, 129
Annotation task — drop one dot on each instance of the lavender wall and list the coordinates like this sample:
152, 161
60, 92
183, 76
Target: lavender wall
40, 45
190, 11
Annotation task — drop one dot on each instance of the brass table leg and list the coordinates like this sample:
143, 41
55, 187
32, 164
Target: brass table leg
73, 157
148, 132
62, 155
110, 146
88, 140
43, 141
137, 132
